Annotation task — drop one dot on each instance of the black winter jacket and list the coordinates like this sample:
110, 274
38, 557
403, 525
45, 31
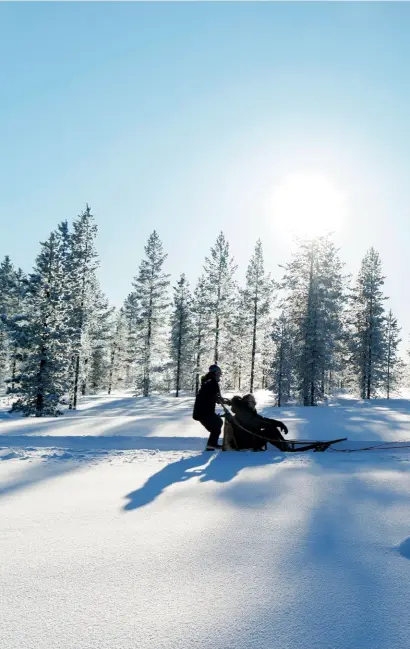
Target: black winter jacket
207, 398
255, 423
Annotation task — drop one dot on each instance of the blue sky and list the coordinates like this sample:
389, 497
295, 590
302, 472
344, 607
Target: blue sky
184, 117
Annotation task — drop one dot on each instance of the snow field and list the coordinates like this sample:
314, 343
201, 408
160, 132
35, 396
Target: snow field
139, 547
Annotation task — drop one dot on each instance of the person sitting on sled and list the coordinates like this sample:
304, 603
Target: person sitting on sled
204, 409
246, 415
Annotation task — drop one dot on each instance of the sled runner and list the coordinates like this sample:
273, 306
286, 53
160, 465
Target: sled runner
238, 438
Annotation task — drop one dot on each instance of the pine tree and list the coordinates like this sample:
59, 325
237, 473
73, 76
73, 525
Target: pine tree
394, 365
219, 272
133, 335
181, 335
150, 286
315, 288
16, 306
118, 364
10, 303
239, 345
201, 328
283, 364
267, 352
368, 326
83, 262
43, 335
256, 304
97, 352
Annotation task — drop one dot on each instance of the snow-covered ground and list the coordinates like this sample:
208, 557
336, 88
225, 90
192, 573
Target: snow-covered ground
119, 532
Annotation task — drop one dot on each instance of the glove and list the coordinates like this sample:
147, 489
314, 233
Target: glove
283, 429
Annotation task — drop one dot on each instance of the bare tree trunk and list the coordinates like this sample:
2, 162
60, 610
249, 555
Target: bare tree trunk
198, 356
84, 381
112, 359
76, 375
253, 353
216, 350
40, 395
307, 366
389, 359
369, 355
217, 318
147, 364
13, 368
280, 375
178, 377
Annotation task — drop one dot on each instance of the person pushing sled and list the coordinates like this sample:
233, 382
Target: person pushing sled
247, 429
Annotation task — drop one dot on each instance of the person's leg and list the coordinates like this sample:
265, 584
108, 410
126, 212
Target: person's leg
213, 425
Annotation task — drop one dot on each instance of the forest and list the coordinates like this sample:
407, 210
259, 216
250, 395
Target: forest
303, 335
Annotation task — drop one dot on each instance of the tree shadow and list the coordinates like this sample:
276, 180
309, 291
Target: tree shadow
404, 548
383, 420
222, 467
36, 474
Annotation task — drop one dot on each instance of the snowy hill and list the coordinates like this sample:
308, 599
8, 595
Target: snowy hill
119, 532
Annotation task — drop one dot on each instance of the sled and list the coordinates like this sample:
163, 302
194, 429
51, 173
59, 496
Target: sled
238, 438
298, 445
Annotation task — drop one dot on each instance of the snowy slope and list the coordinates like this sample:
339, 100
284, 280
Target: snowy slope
119, 548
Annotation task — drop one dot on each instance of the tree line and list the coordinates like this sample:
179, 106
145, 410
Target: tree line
304, 335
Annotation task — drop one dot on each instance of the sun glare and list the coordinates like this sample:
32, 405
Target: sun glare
308, 204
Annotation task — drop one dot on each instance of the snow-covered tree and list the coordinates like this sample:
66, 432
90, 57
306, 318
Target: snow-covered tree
151, 287
257, 300
200, 327
219, 276
394, 365
43, 333
96, 367
367, 341
181, 336
10, 303
133, 336
267, 352
315, 297
83, 262
283, 359
118, 364
238, 345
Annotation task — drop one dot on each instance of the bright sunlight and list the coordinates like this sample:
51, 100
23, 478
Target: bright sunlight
308, 204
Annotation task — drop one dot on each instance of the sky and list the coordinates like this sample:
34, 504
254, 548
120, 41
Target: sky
187, 118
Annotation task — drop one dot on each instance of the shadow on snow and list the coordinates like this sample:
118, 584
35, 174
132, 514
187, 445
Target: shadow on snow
222, 467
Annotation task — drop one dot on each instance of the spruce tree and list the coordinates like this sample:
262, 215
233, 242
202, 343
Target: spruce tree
394, 365
283, 362
368, 349
267, 351
219, 273
201, 316
256, 305
118, 363
181, 335
133, 335
315, 297
150, 287
83, 262
97, 351
10, 303
42, 332
238, 346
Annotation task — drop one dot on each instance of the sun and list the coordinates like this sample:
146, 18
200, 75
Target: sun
308, 204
